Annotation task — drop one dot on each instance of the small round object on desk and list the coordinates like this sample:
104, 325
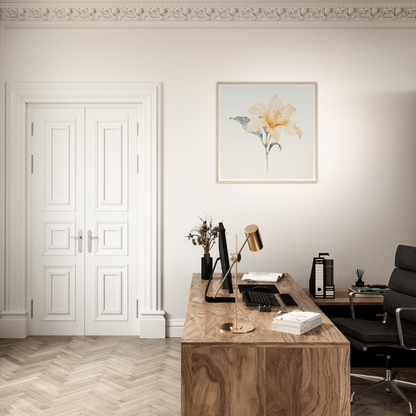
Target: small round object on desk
265, 308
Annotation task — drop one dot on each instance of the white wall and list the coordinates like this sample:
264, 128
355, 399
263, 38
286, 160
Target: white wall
364, 202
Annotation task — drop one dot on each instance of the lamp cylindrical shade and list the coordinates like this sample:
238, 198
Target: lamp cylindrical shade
254, 238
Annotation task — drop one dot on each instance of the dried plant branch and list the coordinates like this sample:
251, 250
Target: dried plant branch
204, 235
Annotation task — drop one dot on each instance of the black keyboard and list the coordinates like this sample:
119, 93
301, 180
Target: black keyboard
258, 298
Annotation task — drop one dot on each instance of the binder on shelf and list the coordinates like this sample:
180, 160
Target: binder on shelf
321, 282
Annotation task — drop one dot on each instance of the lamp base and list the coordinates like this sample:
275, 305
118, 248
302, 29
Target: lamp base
243, 328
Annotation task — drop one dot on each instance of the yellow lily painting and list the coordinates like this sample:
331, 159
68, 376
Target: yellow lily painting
269, 123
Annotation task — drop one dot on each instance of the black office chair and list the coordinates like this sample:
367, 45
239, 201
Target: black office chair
398, 329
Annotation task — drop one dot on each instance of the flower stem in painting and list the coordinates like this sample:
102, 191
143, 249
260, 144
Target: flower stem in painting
267, 159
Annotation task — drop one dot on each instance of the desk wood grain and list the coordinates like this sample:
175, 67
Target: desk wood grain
265, 372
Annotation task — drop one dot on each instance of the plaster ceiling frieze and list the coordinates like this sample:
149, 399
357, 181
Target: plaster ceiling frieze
292, 13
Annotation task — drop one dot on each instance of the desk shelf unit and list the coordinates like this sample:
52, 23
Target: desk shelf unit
370, 308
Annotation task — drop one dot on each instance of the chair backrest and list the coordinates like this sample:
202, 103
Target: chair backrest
402, 285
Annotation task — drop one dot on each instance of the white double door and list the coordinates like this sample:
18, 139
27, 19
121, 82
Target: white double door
83, 220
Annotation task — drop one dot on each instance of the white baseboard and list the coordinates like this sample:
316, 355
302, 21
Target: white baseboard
175, 328
152, 324
14, 324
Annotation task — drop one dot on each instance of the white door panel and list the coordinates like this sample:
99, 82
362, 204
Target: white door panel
57, 201
84, 180
112, 238
60, 296
111, 216
110, 153
60, 165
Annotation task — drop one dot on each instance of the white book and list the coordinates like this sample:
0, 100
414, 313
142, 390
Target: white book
296, 324
296, 318
296, 330
262, 277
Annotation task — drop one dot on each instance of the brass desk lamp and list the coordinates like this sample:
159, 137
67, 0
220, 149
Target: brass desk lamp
255, 244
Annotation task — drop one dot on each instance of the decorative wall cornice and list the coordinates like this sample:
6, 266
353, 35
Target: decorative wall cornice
292, 13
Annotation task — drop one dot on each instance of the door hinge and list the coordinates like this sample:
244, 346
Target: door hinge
137, 308
32, 129
138, 128
31, 308
32, 164
138, 164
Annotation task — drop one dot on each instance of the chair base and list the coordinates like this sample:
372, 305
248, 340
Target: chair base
390, 381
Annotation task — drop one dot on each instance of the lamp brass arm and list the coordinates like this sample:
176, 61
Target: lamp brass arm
352, 294
236, 260
399, 327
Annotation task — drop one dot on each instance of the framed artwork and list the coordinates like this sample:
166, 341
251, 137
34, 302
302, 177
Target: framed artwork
267, 132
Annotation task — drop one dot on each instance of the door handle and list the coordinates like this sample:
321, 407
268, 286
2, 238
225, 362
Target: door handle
79, 238
90, 237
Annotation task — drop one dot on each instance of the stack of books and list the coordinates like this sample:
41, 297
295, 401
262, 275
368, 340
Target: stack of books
296, 322
368, 291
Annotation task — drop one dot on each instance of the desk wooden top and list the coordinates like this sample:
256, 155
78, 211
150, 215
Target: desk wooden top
203, 318
342, 299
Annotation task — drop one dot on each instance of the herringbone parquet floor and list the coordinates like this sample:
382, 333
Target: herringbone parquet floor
120, 376
91, 376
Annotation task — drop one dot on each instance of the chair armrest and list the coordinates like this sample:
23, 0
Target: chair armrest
399, 327
352, 294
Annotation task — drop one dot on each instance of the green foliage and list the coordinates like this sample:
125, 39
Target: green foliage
271, 145
244, 121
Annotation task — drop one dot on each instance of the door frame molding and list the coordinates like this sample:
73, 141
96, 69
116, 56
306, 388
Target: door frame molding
15, 317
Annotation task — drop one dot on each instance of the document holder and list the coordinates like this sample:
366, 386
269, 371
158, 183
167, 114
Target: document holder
321, 282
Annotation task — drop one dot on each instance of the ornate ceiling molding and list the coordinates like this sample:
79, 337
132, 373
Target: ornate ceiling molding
292, 13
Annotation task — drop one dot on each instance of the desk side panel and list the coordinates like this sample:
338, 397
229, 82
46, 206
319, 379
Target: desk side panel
248, 379
252, 381
284, 381
325, 381
205, 383
223, 381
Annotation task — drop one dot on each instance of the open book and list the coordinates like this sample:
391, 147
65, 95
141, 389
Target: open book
262, 277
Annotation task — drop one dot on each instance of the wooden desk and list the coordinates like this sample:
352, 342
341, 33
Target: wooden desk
265, 372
